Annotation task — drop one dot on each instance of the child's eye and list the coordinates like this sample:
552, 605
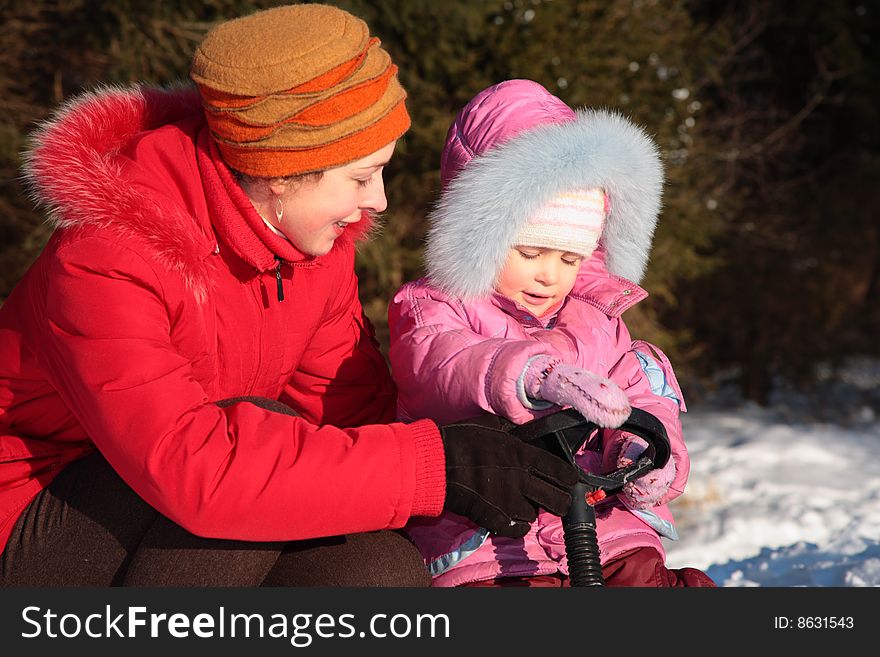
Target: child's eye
572, 261
527, 255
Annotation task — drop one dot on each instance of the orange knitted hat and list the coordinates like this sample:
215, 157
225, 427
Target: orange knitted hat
296, 89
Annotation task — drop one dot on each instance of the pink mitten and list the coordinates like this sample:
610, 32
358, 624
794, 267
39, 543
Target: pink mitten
598, 399
646, 491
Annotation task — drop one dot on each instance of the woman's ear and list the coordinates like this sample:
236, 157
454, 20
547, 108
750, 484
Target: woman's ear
277, 186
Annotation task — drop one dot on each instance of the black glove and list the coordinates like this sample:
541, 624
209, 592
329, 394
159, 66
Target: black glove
499, 481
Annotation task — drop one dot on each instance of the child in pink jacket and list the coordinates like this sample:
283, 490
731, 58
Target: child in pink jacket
542, 230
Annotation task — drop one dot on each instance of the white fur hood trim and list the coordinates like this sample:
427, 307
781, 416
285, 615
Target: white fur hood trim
483, 208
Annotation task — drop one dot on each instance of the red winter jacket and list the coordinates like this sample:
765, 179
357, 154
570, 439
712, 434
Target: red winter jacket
157, 296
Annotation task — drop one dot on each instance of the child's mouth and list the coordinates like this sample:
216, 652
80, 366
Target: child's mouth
535, 298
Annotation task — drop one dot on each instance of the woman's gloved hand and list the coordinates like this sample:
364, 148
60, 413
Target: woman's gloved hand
498, 481
646, 491
598, 399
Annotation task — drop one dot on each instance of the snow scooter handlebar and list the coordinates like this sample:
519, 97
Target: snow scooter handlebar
563, 433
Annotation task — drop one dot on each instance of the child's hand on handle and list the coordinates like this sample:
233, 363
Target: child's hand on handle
646, 491
598, 399
499, 481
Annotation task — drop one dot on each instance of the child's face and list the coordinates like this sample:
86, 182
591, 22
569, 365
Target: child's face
538, 278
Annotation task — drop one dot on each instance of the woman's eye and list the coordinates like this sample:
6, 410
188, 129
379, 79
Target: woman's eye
363, 183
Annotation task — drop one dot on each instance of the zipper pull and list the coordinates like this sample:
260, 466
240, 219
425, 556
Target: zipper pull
278, 279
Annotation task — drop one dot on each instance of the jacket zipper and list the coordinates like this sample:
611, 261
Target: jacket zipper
278, 279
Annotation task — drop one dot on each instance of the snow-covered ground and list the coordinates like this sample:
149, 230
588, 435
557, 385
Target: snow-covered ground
787, 495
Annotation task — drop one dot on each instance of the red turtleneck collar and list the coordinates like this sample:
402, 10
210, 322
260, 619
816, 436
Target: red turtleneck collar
234, 217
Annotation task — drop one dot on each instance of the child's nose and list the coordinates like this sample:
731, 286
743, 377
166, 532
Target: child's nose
548, 275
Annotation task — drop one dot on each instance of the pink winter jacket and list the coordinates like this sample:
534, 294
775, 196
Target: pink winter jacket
459, 350
454, 360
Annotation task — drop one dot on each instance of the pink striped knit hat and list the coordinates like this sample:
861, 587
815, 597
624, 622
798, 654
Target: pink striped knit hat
571, 222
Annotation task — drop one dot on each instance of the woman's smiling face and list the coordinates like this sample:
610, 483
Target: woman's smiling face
317, 212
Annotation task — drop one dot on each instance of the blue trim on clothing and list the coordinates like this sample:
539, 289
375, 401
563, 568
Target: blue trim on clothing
528, 402
655, 522
656, 377
443, 563
660, 387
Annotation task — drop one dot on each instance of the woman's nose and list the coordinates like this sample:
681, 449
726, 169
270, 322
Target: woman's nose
375, 199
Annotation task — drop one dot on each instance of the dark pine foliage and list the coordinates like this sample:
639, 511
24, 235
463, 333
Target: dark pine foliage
767, 257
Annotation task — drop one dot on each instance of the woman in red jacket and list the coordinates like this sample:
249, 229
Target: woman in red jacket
190, 393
